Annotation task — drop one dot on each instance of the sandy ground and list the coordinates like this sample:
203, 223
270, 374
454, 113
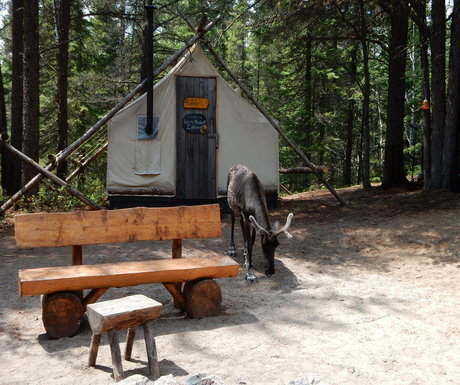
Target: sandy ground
368, 294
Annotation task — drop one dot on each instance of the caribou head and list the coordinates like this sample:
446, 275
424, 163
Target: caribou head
269, 240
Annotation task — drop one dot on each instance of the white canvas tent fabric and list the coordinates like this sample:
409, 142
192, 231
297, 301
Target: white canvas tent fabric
149, 166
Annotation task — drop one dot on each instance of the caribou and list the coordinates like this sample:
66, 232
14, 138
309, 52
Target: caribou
246, 199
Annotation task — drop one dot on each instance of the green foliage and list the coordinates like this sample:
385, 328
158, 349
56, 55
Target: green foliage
265, 43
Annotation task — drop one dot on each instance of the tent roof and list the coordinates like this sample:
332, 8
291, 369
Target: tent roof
194, 62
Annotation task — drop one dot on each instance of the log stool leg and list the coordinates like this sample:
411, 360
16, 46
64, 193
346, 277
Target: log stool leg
152, 356
129, 343
116, 355
95, 340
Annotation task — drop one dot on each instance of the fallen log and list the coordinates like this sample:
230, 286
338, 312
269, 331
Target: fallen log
301, 170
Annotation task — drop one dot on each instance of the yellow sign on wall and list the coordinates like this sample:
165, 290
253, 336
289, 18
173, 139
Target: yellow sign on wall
196, 103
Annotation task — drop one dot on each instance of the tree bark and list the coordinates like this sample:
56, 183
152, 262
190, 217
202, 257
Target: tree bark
365, 169
347, 170
425, 64
308, 92
31, 88
438, 88
393, 168
450, 170
17, 32
6, 155
62, 12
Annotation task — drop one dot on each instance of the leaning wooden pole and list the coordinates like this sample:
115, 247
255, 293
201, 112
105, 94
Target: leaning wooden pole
318, 172
62, 155
85, 162
51, 176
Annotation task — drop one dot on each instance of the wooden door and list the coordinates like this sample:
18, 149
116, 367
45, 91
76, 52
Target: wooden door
196, 138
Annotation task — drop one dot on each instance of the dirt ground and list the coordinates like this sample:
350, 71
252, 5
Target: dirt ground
367, 294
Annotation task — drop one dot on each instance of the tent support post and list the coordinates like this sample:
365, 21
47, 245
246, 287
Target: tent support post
51, 176
88, 134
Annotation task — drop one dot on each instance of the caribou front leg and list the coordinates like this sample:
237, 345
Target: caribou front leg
248, 242
231, 248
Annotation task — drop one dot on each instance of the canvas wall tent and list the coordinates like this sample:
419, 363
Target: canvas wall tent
201, 128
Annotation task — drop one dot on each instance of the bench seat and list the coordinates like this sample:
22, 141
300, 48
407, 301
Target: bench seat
67, 278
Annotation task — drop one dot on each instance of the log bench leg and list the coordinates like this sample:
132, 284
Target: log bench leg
151, 348
175, 291
62, 313
116, 355
93, 349
203, 298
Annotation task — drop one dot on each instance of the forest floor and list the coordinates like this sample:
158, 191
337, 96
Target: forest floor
366, 294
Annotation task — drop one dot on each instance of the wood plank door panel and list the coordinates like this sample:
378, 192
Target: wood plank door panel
196, 150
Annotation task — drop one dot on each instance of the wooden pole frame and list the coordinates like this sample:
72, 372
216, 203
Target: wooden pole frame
62, 155
77, 194
86, 161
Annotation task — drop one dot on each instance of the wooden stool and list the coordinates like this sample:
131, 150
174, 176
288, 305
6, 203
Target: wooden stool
119, 314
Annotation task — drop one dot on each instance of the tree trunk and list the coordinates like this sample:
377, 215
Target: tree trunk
31, 88
308, 98
450, 170
425, 64
17, 31
349, 144
259, 59
242, 49
438, 89
347, 171
393, 168
6, 155
62, 24
366, 95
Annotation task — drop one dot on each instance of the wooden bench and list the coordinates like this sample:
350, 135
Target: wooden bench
189, 280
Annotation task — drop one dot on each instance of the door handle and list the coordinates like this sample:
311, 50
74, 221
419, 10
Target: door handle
215, 137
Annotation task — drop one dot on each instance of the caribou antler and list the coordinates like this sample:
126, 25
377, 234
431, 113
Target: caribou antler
256, 225
285, 228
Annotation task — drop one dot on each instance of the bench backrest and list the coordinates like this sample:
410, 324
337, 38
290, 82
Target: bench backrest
113, 226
